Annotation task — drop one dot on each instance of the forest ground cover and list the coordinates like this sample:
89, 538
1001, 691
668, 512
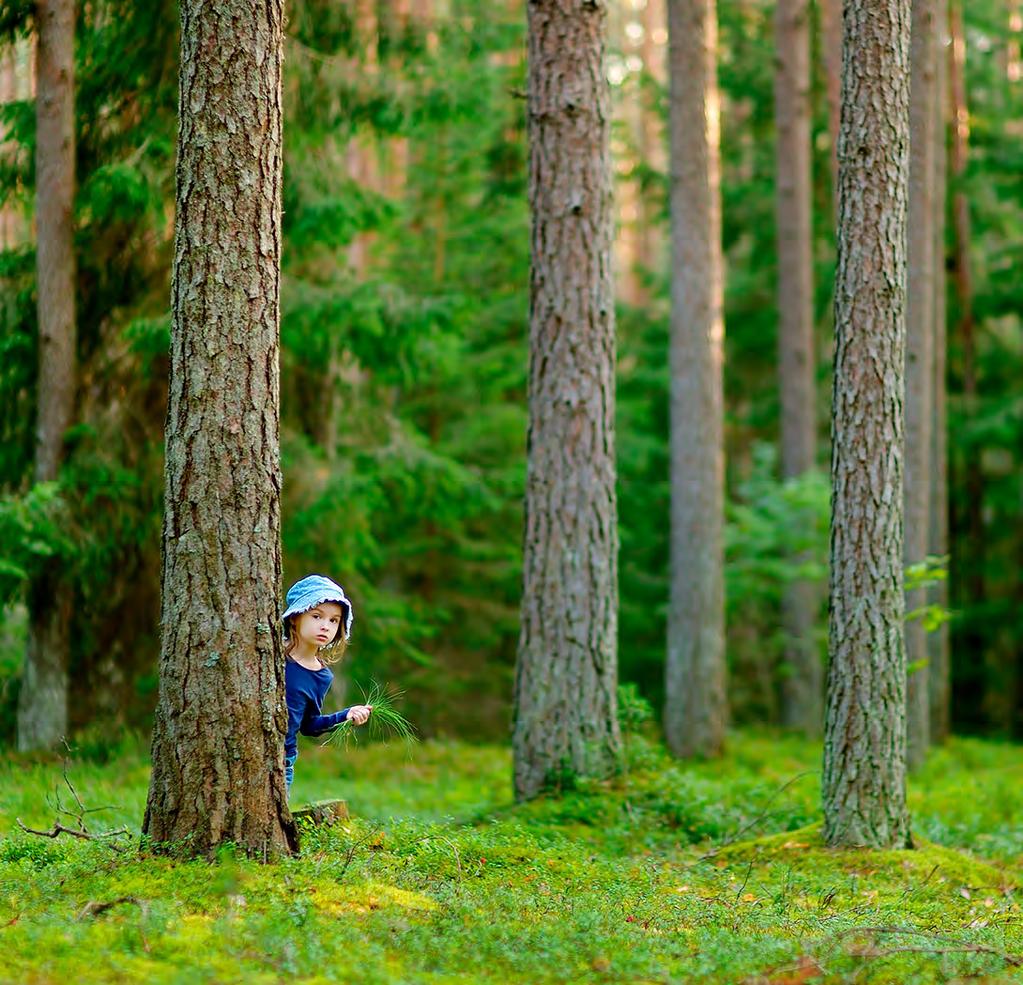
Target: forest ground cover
670, 872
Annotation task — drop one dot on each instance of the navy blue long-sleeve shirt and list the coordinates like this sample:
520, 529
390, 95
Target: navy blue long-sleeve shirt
305, 691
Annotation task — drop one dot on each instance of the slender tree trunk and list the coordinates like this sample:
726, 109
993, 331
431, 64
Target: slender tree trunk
1016, 722
939, 667
864, 774
8, 94
968, 549
628, 225
802, 698
218, 739
919, 363
42, 703
359, 163
696, 709
831, 49
566, 674
1013, 61
651, 141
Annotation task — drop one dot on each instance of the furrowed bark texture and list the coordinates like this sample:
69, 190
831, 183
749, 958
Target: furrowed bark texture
864, 768
940, 667
919, 363
218, 738
565, 701
695, 709
802, 692
42, 702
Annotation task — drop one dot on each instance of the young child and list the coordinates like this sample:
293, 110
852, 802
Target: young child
317, 624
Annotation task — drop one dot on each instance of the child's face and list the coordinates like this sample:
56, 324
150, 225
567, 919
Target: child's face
320, 625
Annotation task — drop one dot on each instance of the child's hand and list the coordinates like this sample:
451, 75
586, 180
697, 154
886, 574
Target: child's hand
359, 714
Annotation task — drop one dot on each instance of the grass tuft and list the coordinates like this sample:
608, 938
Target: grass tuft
385, 721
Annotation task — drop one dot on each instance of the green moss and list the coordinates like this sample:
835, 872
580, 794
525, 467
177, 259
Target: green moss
440, 878
805, 848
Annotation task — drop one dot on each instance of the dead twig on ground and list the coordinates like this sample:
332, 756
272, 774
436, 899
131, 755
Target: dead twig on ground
59, 829
941, 945
94, 907
717, 849
81, 830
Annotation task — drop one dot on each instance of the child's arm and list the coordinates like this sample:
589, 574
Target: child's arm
314, 724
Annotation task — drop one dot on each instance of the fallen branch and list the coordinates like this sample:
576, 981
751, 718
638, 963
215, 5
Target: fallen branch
750, 824
1009, 959
958, 946
81, 831
93, 908
59, 829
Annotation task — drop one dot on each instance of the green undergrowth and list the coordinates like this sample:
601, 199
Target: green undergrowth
706, 872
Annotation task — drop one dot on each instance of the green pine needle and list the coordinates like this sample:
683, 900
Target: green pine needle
385, 721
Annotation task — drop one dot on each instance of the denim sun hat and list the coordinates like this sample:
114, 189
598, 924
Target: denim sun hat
314, 590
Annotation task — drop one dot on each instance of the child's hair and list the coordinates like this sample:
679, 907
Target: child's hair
330, 653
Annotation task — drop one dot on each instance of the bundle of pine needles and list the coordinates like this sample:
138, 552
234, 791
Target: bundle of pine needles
385, 721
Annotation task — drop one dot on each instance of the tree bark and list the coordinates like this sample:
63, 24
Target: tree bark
968, 551
1013, 62
919, 363
42, 702
650, 245
8, 93
939, 667
221, 718
864, 769
802, 698
566, 674
695, 710
831, 49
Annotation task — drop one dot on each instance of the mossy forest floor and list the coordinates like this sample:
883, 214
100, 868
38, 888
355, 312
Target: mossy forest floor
670, 873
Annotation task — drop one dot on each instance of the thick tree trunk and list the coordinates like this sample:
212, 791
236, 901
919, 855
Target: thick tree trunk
864, 774
939, 666
219, 732
802, 698
919, 363
695, 710
565, 700
42, 703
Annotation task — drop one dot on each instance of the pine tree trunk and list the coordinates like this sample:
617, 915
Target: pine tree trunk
8, 93
831, 50
919, 364
695, 710
1013, 61
864, 774
939, 666
42, 703
219, 731
565, 700
968, 549
651, 143
802, 697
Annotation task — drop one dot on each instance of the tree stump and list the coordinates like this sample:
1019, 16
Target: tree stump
322, 812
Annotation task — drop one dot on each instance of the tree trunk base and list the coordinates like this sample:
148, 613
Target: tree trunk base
323, 812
